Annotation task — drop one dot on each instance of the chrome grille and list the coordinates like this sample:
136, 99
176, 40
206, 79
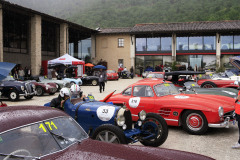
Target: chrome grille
128, 119
28, 87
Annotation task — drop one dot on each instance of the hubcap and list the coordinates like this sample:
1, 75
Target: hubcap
194, 121
13, 95
108, 136
94, 82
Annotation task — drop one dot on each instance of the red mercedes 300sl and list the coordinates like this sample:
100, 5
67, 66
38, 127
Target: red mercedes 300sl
195, 112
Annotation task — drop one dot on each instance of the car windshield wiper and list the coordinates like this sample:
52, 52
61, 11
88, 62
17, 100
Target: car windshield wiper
18, 156
65, 138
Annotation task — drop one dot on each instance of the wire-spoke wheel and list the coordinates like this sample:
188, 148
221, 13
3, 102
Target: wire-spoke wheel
94, 82
156, 126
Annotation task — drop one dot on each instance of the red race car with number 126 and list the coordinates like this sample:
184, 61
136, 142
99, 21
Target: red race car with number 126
195, 112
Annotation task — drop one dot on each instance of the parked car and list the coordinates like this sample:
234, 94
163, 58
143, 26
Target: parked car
45, 133
194, 112
207, 81
112, 75
126, 74
145, 73
41, 88
72, 81
60, 83
13, 89
89, 80
110, 123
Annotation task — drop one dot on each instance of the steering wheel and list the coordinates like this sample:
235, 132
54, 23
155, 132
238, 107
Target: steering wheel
17, 151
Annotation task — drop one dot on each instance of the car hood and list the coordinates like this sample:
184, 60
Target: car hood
199, 101
229, 92
92, 149
13, 83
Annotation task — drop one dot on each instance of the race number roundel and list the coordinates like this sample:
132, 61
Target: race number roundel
105, 113
134, 102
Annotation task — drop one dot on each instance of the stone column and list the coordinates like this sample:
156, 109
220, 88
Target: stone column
1, 34
132, 51
93, 47
174, 53
36, 44
64, 39
218, 50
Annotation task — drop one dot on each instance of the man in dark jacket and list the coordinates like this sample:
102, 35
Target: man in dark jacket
62, 97
102, 79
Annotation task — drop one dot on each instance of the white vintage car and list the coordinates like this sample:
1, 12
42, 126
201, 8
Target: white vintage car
227, 75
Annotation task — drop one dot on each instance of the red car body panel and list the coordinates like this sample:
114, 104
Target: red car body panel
52, 88
112, 76
219, 83
170, 107
17, 116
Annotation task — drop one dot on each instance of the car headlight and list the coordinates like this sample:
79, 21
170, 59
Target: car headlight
142, 115
33, 86
120, 120
220, 111
236, 82
22, 88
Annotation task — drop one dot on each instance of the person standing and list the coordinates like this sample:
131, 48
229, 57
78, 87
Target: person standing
21, 74
237, 112
102, 79
132, 74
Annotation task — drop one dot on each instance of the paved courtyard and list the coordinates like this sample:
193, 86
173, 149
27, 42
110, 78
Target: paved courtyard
216, 143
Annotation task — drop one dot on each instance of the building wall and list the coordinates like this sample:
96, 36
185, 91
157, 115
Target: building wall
107, 49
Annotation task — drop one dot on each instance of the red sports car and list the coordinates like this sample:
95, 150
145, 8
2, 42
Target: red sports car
195, 112
112, 75
205, 81
41, 88
178, 78
35, 132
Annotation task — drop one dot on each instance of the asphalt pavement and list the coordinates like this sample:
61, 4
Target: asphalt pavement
216, 143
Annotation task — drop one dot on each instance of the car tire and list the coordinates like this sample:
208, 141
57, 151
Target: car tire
115, 134
161, 131
13, 95
28, 97
39, 91
72, 83
194, 122
58, 87
208, 85
94, 82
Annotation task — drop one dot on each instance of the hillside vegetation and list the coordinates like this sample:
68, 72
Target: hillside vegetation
127, 13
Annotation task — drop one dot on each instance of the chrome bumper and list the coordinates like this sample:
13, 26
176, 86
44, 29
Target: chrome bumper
224, 124
28, 94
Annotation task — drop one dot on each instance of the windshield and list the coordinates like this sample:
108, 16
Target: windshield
165, 89
8, 78
230, 73
151, 75
111, 71
41, 138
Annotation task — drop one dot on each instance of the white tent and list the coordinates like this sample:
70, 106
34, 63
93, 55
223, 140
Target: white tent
66, 59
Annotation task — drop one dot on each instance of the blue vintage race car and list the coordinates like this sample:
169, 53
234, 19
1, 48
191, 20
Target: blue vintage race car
113, 124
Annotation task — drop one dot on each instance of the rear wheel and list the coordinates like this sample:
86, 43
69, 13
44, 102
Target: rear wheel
13, 95
72, 83
94, 82
194, 122
155, 125
208, 85
109, 133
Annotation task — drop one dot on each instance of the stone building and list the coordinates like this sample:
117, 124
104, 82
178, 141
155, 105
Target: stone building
28, 37
205, 44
